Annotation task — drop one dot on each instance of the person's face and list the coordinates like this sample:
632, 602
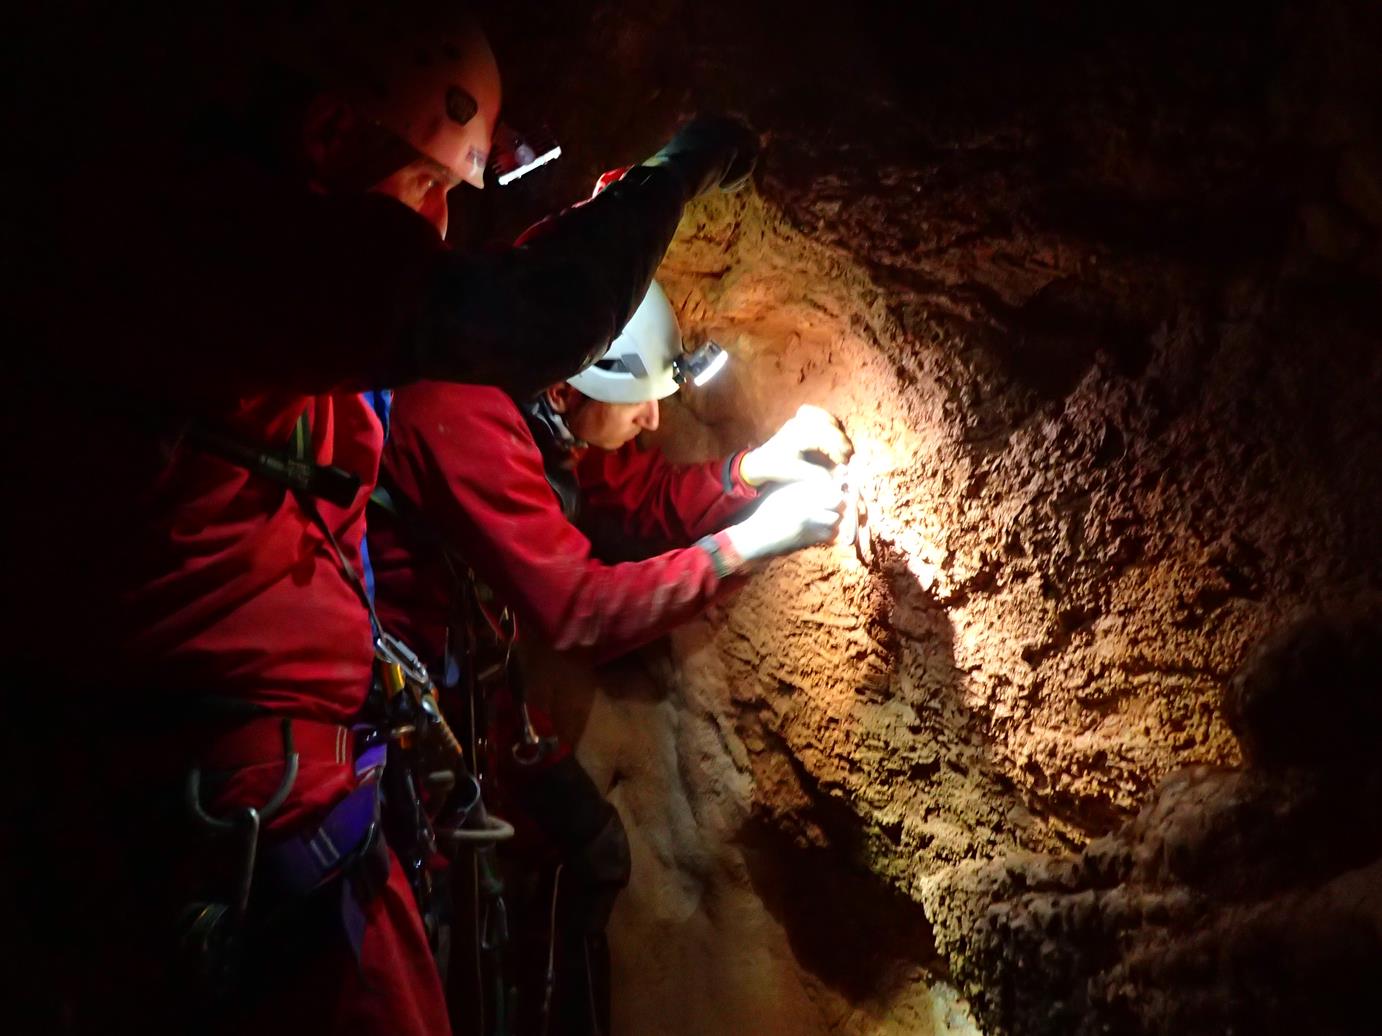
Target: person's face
344, 153
421, 185
607, 426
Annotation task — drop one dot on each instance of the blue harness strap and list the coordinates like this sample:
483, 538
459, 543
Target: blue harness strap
348, 844
381, 402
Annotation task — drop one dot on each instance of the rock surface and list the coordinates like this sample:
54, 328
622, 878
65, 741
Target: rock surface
1096, 297
1237, 901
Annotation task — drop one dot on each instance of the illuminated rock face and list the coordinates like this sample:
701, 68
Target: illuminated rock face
1098, 307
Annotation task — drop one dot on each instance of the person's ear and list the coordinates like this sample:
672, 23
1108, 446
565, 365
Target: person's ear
327, 126
560, 395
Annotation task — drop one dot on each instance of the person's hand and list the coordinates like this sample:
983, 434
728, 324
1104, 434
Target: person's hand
811, 445
710, 151
794, 516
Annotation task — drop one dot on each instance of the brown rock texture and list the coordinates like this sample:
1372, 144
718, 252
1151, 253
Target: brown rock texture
1096, 296
1237, 901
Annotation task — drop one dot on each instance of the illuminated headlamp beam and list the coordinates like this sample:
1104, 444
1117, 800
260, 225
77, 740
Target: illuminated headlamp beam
514, 154
713, 368
700, 366
528, 167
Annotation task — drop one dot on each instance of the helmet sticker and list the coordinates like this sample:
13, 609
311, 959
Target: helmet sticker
633, 363
460, 106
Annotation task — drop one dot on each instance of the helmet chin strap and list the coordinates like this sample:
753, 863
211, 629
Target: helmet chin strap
564, 431
543, 410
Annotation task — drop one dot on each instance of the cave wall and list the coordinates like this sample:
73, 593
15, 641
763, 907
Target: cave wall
1095, 294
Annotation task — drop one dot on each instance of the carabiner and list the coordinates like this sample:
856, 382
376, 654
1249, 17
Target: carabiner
393, 651
224, 825
530, 749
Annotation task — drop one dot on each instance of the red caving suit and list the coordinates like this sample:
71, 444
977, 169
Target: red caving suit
150, 576
465, 457
468, 478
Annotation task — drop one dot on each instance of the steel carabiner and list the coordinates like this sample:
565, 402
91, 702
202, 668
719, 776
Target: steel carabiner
225, 825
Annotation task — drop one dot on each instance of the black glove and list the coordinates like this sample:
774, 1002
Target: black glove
710, 151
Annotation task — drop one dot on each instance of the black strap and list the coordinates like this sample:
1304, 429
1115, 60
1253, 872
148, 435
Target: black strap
555, 442
292, 468
309, 507
307, 480
296, 470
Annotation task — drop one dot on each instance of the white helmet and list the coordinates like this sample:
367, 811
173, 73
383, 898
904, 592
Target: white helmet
646, 360
639, 364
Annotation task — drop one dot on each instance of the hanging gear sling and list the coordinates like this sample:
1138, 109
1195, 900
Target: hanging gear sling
480, 977
592, 841
573, 814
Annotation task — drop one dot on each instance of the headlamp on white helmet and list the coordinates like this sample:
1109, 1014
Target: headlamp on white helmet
646, 360
699, 365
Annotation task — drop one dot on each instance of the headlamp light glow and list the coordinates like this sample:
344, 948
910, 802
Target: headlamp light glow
699, 366
514, 155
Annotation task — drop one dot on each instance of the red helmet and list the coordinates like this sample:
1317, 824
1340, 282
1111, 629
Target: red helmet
422, 70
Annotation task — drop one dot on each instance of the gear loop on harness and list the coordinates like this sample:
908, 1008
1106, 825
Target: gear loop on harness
225, 825
470, 824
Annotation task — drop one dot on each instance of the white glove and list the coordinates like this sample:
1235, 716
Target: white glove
810, 445
798, 515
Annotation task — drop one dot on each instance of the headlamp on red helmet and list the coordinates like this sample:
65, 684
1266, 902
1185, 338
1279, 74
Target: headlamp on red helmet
513, 155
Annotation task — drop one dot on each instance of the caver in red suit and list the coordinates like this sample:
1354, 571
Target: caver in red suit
467, 454
176, 606
507, 489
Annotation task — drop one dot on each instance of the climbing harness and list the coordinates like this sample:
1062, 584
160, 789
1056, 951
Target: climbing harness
272, 883
408, 764
486, 628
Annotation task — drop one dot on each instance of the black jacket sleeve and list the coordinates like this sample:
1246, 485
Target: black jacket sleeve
537, 313
235, 284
